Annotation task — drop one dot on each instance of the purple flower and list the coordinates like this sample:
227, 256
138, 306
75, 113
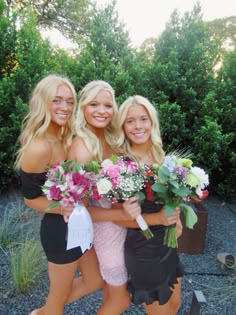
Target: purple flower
181, 172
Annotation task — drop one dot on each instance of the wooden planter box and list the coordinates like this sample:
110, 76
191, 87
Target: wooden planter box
193, 241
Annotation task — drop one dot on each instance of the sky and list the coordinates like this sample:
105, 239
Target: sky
147, 18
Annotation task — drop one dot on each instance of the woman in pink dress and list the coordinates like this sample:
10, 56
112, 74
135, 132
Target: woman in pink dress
96, 134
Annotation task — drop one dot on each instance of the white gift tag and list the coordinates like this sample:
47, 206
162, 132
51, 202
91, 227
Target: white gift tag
80, 229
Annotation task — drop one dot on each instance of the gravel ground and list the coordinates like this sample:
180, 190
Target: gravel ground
203, 272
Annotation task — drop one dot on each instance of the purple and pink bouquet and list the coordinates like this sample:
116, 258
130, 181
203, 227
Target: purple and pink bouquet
66, 184
118, 179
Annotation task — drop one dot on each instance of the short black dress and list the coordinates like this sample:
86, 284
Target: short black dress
153, 268
53, 228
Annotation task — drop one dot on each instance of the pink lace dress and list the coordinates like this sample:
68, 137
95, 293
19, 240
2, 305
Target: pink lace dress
109, 241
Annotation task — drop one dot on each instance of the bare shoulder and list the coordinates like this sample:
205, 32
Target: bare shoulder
79, 151
36, 157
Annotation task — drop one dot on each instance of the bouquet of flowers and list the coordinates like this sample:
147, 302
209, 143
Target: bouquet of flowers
176, 182
67, 184
119, 179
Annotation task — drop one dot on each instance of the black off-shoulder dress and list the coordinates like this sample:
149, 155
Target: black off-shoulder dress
153, 268
53, 228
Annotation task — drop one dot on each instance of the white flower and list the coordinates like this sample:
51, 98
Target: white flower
170, 162
203, 178
106, 163
104, 186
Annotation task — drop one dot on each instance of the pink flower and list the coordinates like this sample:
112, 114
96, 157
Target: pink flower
106, 164
55, 192
131, 167
79, 179
113, 172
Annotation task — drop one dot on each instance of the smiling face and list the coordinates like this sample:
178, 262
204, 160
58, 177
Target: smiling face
99, 112
62, 105
137, 125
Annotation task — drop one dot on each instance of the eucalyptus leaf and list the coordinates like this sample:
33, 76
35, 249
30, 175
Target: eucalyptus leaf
141, 196
170, 208
181, 191
190, 216
163, 173
157, 187
174, 183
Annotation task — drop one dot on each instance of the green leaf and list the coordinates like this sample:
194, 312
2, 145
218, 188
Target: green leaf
141, 196
174, 183
170, 208
92, 166
164, 173
53, 205
114, 158
181, 191
190, 217
160, 188
77, 167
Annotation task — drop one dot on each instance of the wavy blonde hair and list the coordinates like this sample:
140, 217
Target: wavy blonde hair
37, 121
123, 143
87, 94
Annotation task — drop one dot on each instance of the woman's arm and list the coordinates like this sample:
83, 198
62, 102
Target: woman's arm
35, 160
156, 218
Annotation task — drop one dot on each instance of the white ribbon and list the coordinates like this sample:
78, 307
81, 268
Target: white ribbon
80, 229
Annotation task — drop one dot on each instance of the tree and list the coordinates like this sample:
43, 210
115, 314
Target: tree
8, 42
71, 17
32, 60
107, 53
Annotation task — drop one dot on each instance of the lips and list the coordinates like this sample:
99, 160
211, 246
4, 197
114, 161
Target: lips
138, 134
100, 119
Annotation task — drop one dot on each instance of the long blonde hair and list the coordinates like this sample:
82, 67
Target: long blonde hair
123, 142
87, 94
37, 121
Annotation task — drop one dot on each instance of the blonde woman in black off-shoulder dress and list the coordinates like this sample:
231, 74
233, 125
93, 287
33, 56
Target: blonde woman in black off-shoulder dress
154, 270
45, 139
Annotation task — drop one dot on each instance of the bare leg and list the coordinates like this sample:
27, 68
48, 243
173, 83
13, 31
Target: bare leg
175, 300
90, 279
61, 279
105, 293
171, 307
72, 288
116, 300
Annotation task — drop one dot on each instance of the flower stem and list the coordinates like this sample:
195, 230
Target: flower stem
170, 239
144, 227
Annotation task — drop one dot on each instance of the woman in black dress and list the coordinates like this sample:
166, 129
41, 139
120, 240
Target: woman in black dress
154, 270
45, 138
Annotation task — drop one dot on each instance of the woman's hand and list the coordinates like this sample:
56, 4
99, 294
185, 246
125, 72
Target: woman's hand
132, 208
66, 212
179, 228
163, 219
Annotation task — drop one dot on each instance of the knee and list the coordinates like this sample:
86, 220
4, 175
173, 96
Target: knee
60, 296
